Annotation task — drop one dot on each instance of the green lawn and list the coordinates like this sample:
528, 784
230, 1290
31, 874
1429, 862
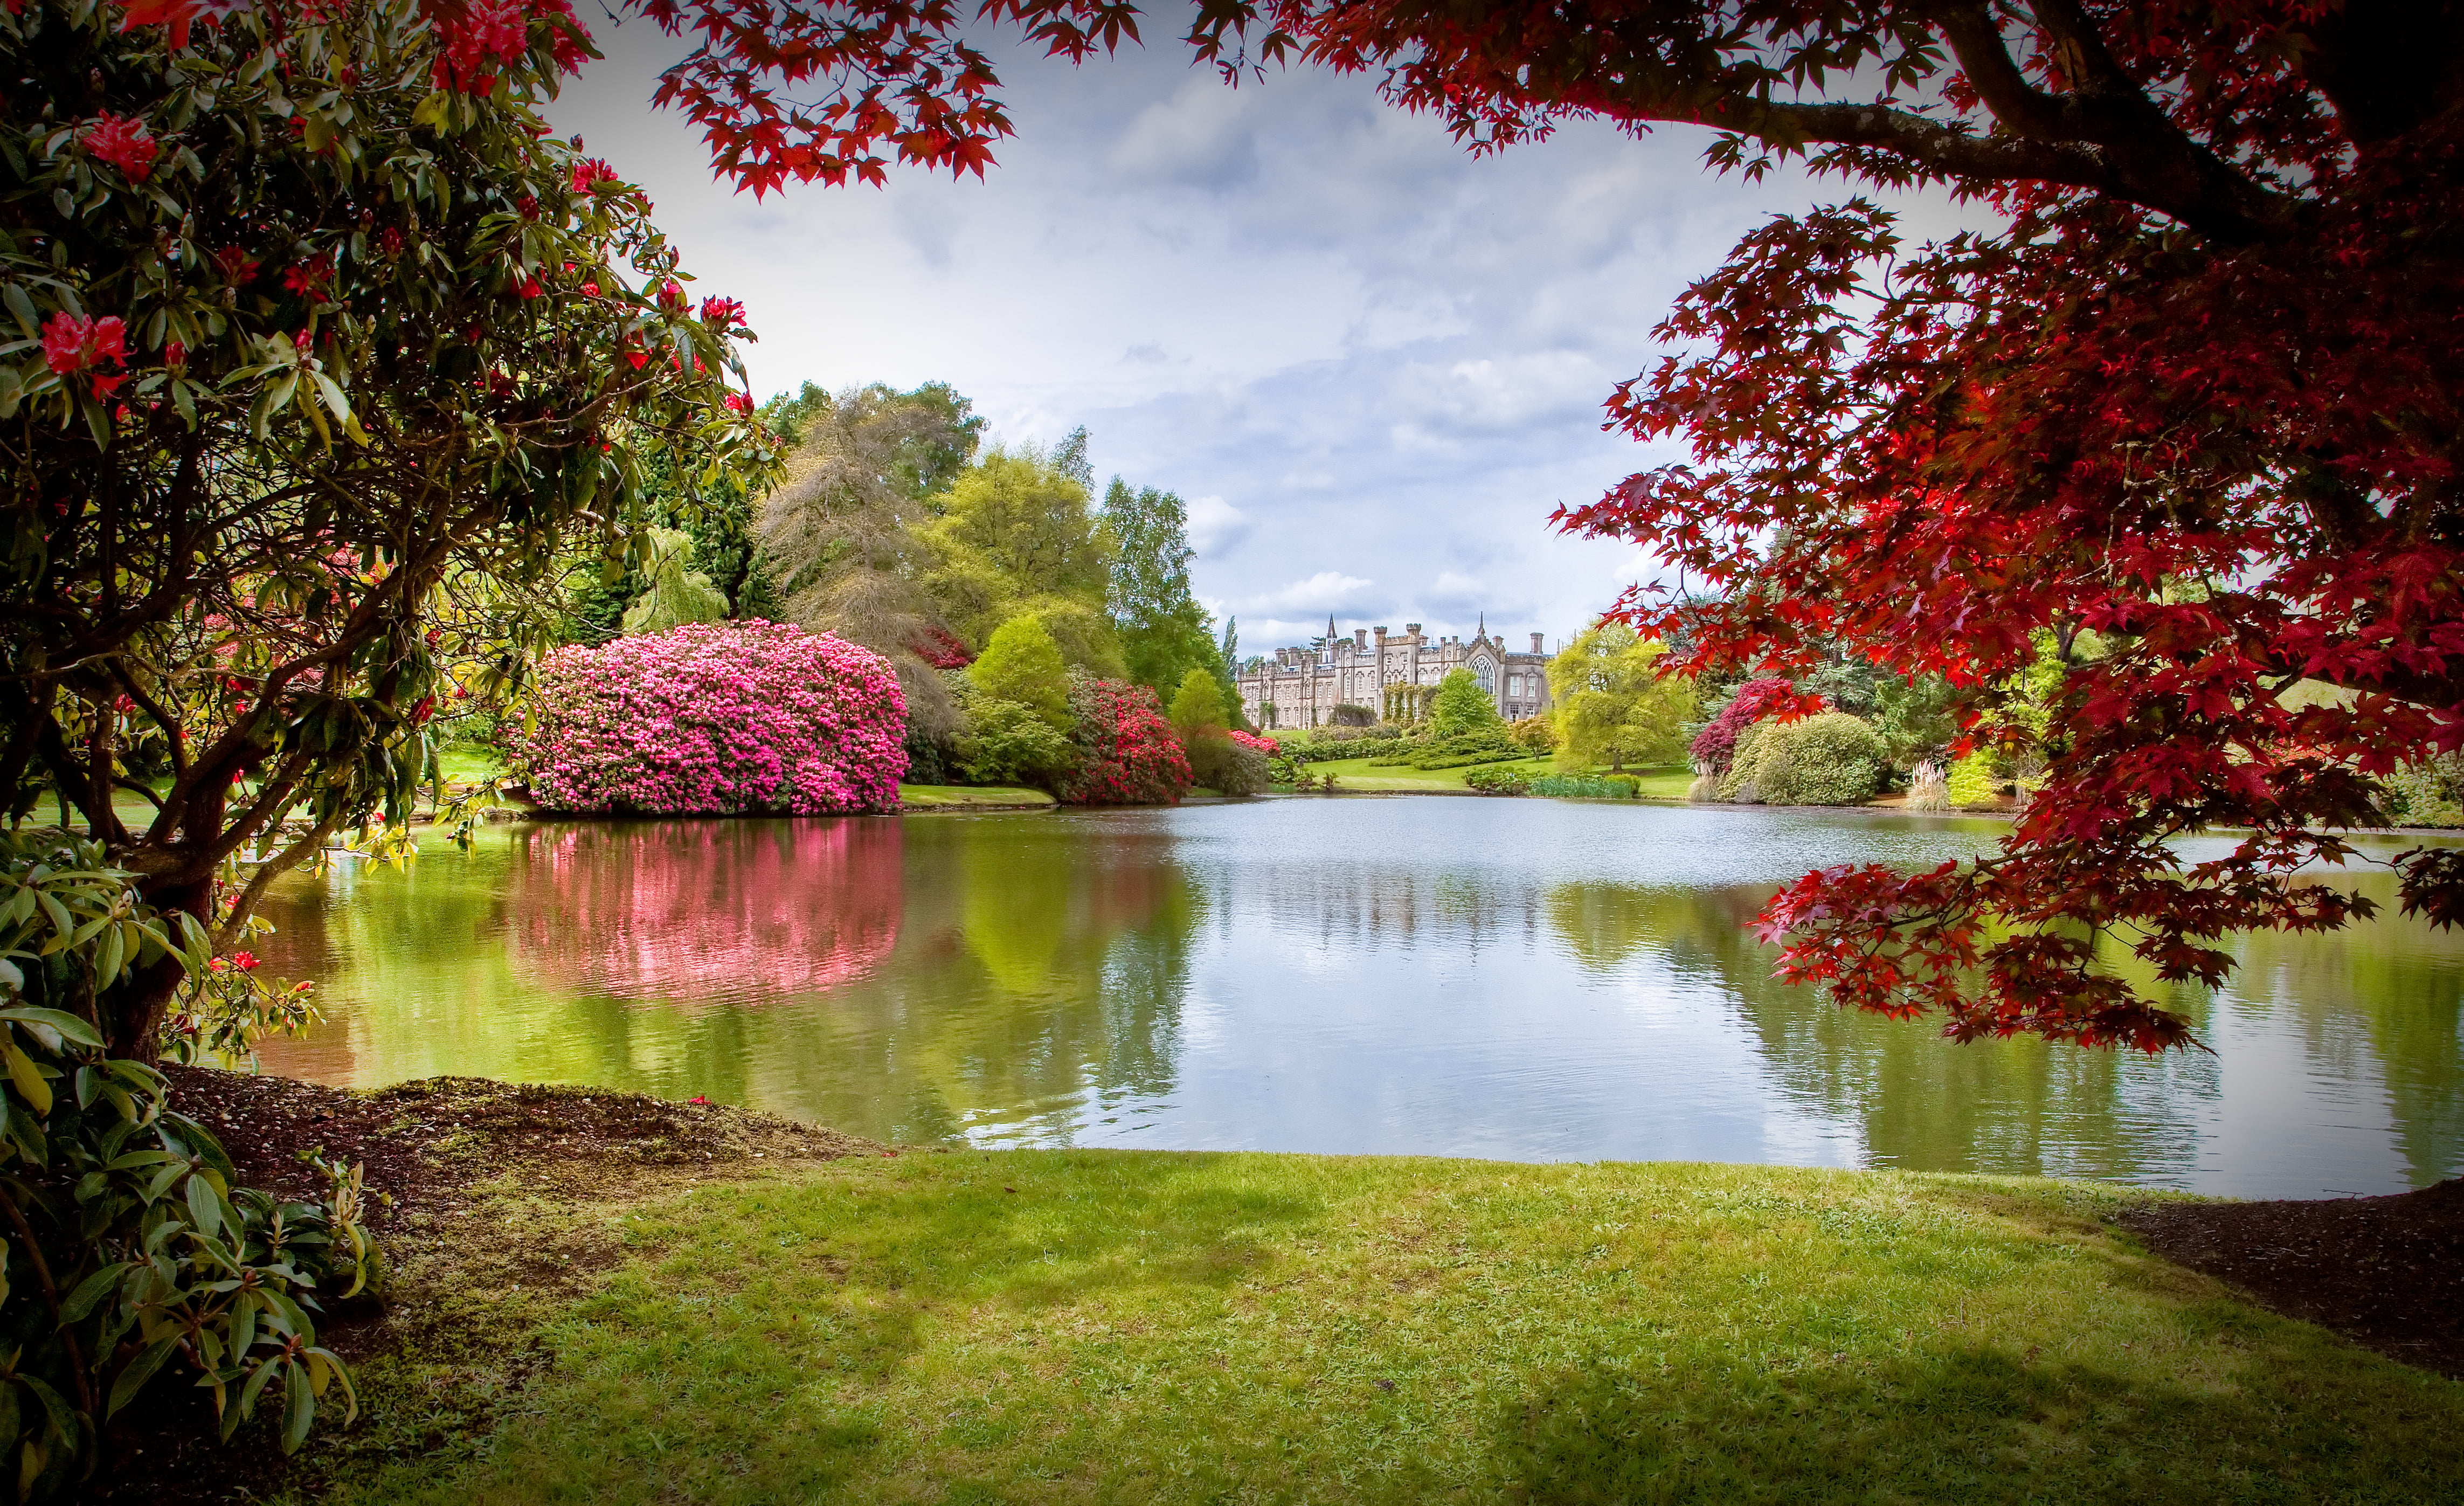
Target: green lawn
1122, 1326
932, 797
1668, 782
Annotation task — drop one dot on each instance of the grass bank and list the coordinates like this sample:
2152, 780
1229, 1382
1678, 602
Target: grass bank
1359, 773
1123, 1326
967, 797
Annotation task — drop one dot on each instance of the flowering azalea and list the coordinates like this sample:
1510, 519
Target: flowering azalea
589, 174
121, 142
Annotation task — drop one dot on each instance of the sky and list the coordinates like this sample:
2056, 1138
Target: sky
1371, 363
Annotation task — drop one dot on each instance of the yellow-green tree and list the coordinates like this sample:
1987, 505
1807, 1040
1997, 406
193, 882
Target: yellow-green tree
1017, 536
1022, 664
1612, 706
1198, 706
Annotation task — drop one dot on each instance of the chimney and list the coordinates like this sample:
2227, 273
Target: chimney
1411, 630
1381, 639
1536, 643
1360, 639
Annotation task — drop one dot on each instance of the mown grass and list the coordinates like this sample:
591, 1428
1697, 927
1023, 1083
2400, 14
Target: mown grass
1119, 1326
1669, 783
927, 797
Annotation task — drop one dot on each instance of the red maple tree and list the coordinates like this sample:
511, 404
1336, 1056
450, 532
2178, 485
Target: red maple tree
2193, 400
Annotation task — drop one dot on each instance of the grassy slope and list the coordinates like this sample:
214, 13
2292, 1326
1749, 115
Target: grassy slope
928, 796
1047, 1326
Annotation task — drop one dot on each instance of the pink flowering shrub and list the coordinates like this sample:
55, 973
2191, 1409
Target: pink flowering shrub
716, 718
1128, 754
1254, 745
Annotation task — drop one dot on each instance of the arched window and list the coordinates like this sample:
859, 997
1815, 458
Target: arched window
1486, 673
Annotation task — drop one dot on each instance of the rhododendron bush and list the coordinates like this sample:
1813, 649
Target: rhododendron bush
319, 374
716, 718
1128, 753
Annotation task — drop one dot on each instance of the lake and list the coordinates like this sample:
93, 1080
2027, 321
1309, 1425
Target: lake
1521, 979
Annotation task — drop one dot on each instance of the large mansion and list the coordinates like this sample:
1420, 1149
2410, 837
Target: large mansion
1392, 676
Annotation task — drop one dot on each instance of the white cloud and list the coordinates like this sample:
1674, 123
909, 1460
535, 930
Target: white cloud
1215, 525
1327, 590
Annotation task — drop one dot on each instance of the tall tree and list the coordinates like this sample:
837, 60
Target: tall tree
1613, 706
1164, 633
845, 527
1017, 536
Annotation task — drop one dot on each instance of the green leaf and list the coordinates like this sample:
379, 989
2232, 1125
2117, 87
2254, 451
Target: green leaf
29, 1082
299, 1414
92, 1290
21, 307
71, 1028
139, 1372
205, 1208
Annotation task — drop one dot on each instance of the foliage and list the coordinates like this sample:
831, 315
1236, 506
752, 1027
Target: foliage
1484, 746
1230, 763
1128, 755
1586, 786
1490, 781
1163, 633
1014, 533
1539, 733
1461, 707
1613, 706
131, 1259
1832, 759
1972, 784
1022, 665
845, 528
2428, 794
325, 373
1916, 717
715, 718
1350, 716
1009, 743
1198, 706
1715, 747
676, 594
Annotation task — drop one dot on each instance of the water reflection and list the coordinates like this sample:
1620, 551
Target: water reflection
1518, 978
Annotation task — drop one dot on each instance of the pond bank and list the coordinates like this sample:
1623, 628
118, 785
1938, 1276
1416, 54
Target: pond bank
605, 1296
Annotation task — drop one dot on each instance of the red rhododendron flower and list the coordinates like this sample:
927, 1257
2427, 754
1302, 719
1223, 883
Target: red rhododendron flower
722, 314
71, 344
531, 288
739, 402
175, 355
123, 143
310, 276
590, 290
672, 295
245, 962
588, 174
238, 266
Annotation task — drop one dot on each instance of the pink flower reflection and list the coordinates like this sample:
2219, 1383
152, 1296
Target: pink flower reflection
700, 912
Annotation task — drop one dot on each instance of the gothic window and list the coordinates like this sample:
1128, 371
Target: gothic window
1486, 673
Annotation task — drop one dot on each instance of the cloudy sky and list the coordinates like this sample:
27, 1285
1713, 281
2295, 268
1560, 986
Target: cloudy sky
1371, 363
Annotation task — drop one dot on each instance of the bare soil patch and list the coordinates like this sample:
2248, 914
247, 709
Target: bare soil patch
2386, 1273
474, 1191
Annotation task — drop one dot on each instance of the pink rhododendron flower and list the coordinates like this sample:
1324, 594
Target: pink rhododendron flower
716, 718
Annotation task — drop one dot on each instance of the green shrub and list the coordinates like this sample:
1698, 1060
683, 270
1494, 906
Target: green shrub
2429, 794
1829, 760
1008, 743
1230, 767
1500, 780
146, 1267
1973, 783
1586, 786
1487, 744
1023, 665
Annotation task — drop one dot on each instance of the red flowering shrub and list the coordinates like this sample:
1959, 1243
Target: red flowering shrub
1130, 754
123, 143
1716, 744
1254, 745
716, 718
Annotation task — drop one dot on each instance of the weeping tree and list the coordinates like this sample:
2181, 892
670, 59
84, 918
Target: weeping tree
326, 353
846, 529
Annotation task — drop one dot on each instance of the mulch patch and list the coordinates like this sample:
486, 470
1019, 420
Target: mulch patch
2386, 1273
434, 1151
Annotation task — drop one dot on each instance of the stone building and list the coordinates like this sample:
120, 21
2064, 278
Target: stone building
1392, 676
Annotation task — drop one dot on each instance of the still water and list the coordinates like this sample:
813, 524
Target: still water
1520, 978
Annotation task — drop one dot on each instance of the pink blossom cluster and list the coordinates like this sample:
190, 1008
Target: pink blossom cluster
1255, 744
1128, 754
716, 718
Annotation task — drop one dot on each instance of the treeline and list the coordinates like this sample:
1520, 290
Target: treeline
900, 528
